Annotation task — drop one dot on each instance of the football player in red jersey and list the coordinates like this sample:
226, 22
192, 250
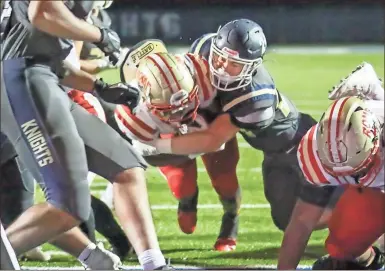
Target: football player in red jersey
346, 149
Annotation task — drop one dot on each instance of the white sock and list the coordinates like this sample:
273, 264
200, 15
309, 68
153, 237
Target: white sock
151, 259
379, 92
86, 252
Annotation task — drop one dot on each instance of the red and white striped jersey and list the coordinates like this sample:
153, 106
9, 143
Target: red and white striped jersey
315, 174
142, 125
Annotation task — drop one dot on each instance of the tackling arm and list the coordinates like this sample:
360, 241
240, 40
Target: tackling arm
304, 220
54, 18
219, 132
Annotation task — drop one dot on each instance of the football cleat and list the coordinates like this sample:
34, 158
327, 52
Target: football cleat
228, 233
328, 263
362, 82
36, 254
187, 221
102, 259
225, 244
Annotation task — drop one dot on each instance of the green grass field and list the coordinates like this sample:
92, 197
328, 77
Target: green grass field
303, 78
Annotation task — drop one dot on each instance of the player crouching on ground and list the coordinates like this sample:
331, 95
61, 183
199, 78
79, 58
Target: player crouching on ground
179, 99
346, 148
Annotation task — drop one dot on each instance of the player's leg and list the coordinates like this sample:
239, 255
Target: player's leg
107, 226
182, 181
111, 157
36, 118
17, 195
8, 259
16, 191
102, 219
357, 221
221, 166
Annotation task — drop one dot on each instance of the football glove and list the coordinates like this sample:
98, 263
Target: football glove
109, 44
119, 93
362, 82
328, 263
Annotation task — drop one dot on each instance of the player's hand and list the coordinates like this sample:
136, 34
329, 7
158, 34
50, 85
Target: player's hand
104, 63
119, 93
109, 44
144, 149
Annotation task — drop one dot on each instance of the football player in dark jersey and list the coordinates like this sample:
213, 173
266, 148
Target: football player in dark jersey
265, 117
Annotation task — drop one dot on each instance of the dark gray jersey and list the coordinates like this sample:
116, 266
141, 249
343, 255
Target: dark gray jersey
24, 40
267, 119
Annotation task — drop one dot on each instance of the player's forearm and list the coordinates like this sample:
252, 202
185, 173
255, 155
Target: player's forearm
78, 79
194, 143
303, 221
90, 66
293, 246
54, 18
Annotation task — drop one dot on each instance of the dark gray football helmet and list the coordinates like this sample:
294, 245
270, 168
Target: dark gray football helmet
241, 41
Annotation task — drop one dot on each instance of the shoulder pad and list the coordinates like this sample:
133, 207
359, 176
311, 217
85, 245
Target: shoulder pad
251, 98
202, 45
263, 77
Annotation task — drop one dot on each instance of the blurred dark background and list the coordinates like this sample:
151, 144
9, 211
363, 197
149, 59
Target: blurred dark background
179, 22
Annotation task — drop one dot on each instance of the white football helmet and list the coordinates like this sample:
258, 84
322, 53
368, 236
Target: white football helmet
168, 87
348, 137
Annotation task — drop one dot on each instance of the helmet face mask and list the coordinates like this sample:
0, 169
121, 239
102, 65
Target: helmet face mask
182, 108
222, 79
168, 88
239, 45
348, 138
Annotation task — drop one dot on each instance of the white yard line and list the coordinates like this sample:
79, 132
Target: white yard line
211, 206
178, 267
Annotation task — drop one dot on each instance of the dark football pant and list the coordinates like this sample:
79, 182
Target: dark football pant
8, 259
284, 182
56, 139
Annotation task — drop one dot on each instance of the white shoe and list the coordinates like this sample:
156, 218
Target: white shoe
102, 259
362, 82
37, 254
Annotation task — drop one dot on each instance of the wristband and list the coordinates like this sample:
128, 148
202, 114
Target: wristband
99, 85
163, 145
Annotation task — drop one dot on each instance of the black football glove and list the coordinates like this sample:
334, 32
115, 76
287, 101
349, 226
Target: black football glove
328, 263
109, 44
119, 93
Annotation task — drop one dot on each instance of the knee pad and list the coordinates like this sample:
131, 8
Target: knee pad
182, 180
